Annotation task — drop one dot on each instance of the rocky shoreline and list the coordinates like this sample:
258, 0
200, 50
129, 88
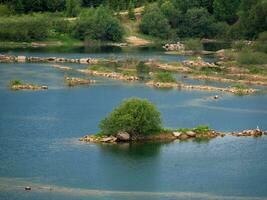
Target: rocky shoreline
124, 137
73, 81
232, 90
28, 87
113, 75
22, 59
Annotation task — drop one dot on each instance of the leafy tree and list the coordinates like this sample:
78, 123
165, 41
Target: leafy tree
73, 8
197, 23
135, 116
173, 14
226, 10
154, 23
99, 24
131, 14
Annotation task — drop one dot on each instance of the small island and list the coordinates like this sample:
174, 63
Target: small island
19, 85
138, 120
74, 81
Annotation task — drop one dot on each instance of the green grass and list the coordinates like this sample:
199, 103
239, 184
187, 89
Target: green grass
99, 68
249, 57
164, 77
240, 86
16, 82
199, 129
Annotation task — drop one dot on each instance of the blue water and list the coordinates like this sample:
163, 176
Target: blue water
39, 144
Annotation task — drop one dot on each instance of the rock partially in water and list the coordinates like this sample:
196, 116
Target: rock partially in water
29, 87
177, 134
191, 133
249, 133
123, 136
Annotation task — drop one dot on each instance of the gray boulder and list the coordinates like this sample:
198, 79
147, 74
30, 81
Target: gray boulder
123, 136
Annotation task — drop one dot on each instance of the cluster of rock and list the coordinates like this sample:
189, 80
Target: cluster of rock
12, 58
120, 137
198, 63
174, 47
73, 81
28, 87
201, 87
250, 133
113, 75
228, 80
192, 134
169, 67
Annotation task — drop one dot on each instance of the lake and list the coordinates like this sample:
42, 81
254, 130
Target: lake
39, 134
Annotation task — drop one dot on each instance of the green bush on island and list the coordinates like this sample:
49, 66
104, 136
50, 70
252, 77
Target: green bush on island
164, 77
16, 82
135, 116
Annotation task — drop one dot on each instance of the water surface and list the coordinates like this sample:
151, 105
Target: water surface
39, 144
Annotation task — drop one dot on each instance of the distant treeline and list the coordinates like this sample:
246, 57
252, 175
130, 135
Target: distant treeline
235, 19
25, 6
165, 19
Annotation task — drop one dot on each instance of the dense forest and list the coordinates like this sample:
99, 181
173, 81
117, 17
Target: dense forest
28, 20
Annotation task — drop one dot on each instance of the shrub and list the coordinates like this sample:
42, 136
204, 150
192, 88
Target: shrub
141, 68
73, 7
16, 82
249, 57
24, 28
135, 116
193, 44
164, 77
4, 10
261, 42
98, 24
154, 23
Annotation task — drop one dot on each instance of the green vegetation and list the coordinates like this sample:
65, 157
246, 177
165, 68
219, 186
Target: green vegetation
247, 57
16, 82
240, 86
198, 129
135, 116
73, 8
25, 27
99, 68
164, 77
101, 20
98, 24
193, 44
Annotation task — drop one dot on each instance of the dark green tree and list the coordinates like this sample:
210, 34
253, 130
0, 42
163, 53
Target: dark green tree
73, 7
154, 23
226, 10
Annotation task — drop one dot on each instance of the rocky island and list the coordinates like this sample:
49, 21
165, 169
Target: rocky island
137, 120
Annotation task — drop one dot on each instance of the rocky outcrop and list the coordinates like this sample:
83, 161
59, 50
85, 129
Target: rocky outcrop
73, 81
113, 75
9, 58
174, 47
169, 67
123, 136
28, 87
232, 90
197, 135
250, 133
198, 63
